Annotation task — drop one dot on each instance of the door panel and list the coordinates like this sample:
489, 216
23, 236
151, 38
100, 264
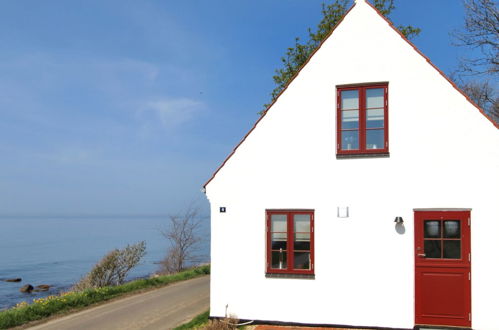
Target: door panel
442, 268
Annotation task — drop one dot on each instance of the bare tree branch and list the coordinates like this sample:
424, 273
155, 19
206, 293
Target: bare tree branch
477, 75
184, 240
483, 93
481, 31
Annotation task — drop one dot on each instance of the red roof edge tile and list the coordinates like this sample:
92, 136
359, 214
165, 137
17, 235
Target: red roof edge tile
435, 67
277, 97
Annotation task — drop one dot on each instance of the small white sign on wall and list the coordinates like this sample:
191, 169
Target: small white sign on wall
342, 211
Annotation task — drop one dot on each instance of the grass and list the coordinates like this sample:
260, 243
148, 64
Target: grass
71, 301
203, 322
196, 322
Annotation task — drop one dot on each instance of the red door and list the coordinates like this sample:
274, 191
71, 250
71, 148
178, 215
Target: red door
443, 268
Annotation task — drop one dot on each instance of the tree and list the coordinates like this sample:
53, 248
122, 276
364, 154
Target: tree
481, 34
332, 13
113, 268
184, 240
484, 95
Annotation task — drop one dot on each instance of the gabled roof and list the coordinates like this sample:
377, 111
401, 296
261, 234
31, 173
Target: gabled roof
317, 49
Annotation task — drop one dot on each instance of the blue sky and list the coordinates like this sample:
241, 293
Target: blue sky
127, 107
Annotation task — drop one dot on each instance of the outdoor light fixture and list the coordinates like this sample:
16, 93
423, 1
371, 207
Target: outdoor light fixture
399, 220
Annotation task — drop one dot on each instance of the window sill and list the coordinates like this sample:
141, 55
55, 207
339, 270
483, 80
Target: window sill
364, 155
281, 275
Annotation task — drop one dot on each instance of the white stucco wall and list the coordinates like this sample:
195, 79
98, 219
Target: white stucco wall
443, 153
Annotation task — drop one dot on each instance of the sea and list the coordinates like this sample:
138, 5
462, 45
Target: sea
60, 250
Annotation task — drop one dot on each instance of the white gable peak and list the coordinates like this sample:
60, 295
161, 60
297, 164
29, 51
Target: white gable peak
360, 1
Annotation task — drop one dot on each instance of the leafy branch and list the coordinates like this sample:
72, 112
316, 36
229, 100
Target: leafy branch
298, 55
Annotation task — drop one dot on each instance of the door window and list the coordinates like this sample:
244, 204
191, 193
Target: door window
442, 239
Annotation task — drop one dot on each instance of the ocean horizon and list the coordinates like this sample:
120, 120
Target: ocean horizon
59, 250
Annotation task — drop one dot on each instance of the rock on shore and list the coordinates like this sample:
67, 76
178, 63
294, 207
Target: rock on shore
41, 287
27, 288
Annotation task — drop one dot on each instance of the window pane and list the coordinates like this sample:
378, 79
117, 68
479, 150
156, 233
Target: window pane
302, 223
432, 229
375, 98
279, 236
452, 249
302, 260
279, 241
452, 229
350, 119
433, 248
350, 99
375, 118
279, 259
279, 222
302, 241
375, 139
349, 140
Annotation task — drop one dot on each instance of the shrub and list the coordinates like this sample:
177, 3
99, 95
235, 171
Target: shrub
113, 268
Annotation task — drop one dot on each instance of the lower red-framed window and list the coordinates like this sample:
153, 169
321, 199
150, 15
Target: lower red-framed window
290, 241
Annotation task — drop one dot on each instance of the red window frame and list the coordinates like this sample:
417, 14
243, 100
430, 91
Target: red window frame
290, 240
362, 120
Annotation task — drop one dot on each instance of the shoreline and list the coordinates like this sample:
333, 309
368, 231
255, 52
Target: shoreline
53, 306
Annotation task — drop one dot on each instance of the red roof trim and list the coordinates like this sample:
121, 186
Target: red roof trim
434, 66
315, 51
279, 95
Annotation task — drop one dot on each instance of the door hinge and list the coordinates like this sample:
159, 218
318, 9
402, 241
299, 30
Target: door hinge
469, 257
469, 222
469, 316
469, 276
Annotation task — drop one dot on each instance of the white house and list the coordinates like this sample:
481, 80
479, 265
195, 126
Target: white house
303, 209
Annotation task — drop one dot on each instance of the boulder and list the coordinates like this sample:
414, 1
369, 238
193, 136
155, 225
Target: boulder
12, 279
27, 288
42, 287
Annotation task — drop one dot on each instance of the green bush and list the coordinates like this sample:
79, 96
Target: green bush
69, 301
113, 268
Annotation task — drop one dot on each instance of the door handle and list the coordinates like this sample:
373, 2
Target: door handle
422, 255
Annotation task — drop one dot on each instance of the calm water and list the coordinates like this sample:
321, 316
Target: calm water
59, 250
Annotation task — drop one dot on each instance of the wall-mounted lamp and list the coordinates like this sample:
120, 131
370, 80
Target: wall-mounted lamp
222, 209
399, 220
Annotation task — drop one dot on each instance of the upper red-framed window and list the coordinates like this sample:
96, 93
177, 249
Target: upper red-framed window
362, 119
290, 241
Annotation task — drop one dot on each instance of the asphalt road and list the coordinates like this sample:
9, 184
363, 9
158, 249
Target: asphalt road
163, 308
